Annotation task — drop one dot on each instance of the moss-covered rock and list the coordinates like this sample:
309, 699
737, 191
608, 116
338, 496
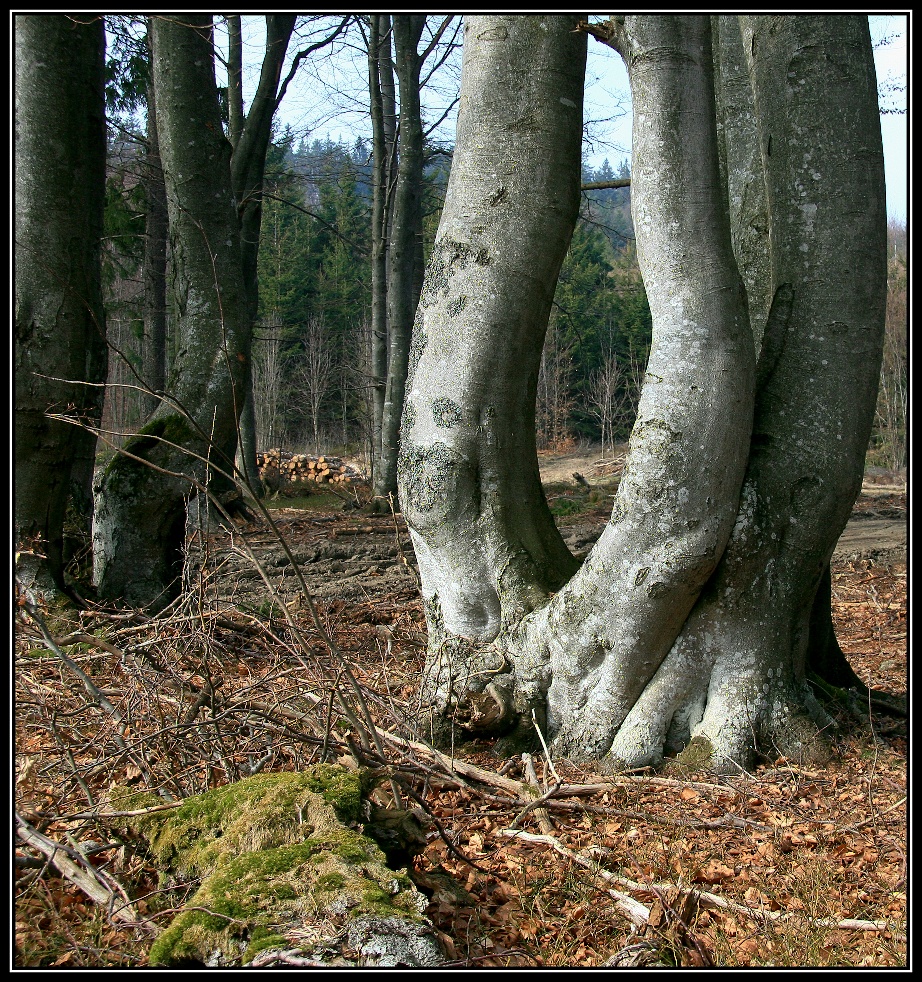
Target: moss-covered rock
285, 867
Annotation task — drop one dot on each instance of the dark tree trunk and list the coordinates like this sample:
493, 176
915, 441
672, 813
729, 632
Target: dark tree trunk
140, 503
59, 331
250, 138
406, 233
234, 79
155, 240
379, 64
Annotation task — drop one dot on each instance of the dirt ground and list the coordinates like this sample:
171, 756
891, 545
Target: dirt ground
353, 557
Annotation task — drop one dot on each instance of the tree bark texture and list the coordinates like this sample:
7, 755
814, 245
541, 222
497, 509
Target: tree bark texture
250, 136
140, 500
687, 625
155, 242
234, 78
741, 169
379, 66
405, 234
815, 95
59, 329
678, 496
737, 674
484, 536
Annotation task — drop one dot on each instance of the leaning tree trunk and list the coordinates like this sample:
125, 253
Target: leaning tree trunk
484, 536
59, 326
736, 677
140, 503
599, 661
406, 229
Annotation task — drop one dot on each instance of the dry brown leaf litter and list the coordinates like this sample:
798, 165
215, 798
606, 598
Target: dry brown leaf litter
789, 853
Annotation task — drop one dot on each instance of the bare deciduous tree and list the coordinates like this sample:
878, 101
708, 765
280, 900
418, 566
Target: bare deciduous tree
59, 328
892, 399
312, 376
267, 383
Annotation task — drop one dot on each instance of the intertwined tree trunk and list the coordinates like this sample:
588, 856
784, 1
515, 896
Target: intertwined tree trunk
737, 674
140, 516
59, 329
661, 640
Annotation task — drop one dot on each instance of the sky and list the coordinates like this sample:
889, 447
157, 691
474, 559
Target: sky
311, 107
606, 81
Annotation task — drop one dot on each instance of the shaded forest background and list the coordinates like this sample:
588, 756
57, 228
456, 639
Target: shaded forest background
311, 350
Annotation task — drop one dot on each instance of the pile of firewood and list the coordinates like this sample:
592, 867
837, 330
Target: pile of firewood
281, 468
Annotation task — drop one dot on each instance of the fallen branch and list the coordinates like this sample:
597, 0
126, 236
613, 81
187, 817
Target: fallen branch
541, 813
89, 882
632, 909
708, 900
93, 691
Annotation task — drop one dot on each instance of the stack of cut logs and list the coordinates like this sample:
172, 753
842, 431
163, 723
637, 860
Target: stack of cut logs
281, 468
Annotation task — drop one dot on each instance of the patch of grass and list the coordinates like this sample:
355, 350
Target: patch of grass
563, 506
320, 501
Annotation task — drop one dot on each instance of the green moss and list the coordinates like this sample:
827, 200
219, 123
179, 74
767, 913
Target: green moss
172, 429
330, 881
697, 756
274, 855
342, 789
352, 852
262, 939
257, 813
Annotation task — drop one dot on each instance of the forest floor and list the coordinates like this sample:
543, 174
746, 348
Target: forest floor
783, 866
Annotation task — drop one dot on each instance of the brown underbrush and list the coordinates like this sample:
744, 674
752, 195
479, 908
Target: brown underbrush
529, 861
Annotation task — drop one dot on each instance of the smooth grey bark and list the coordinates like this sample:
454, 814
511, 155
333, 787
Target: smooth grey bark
741, 169
736, 677
605, 633
250, 136
59, 328
403, 241
742, 172
687, 625
484, 536
139, 522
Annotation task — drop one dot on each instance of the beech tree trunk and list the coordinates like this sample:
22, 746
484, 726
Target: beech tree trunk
403, 240
250, 136
687, 625
737, 674
139, 523
155, 240
59, 328
380, 82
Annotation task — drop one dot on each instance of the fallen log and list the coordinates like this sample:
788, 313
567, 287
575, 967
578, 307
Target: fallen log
279, 469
